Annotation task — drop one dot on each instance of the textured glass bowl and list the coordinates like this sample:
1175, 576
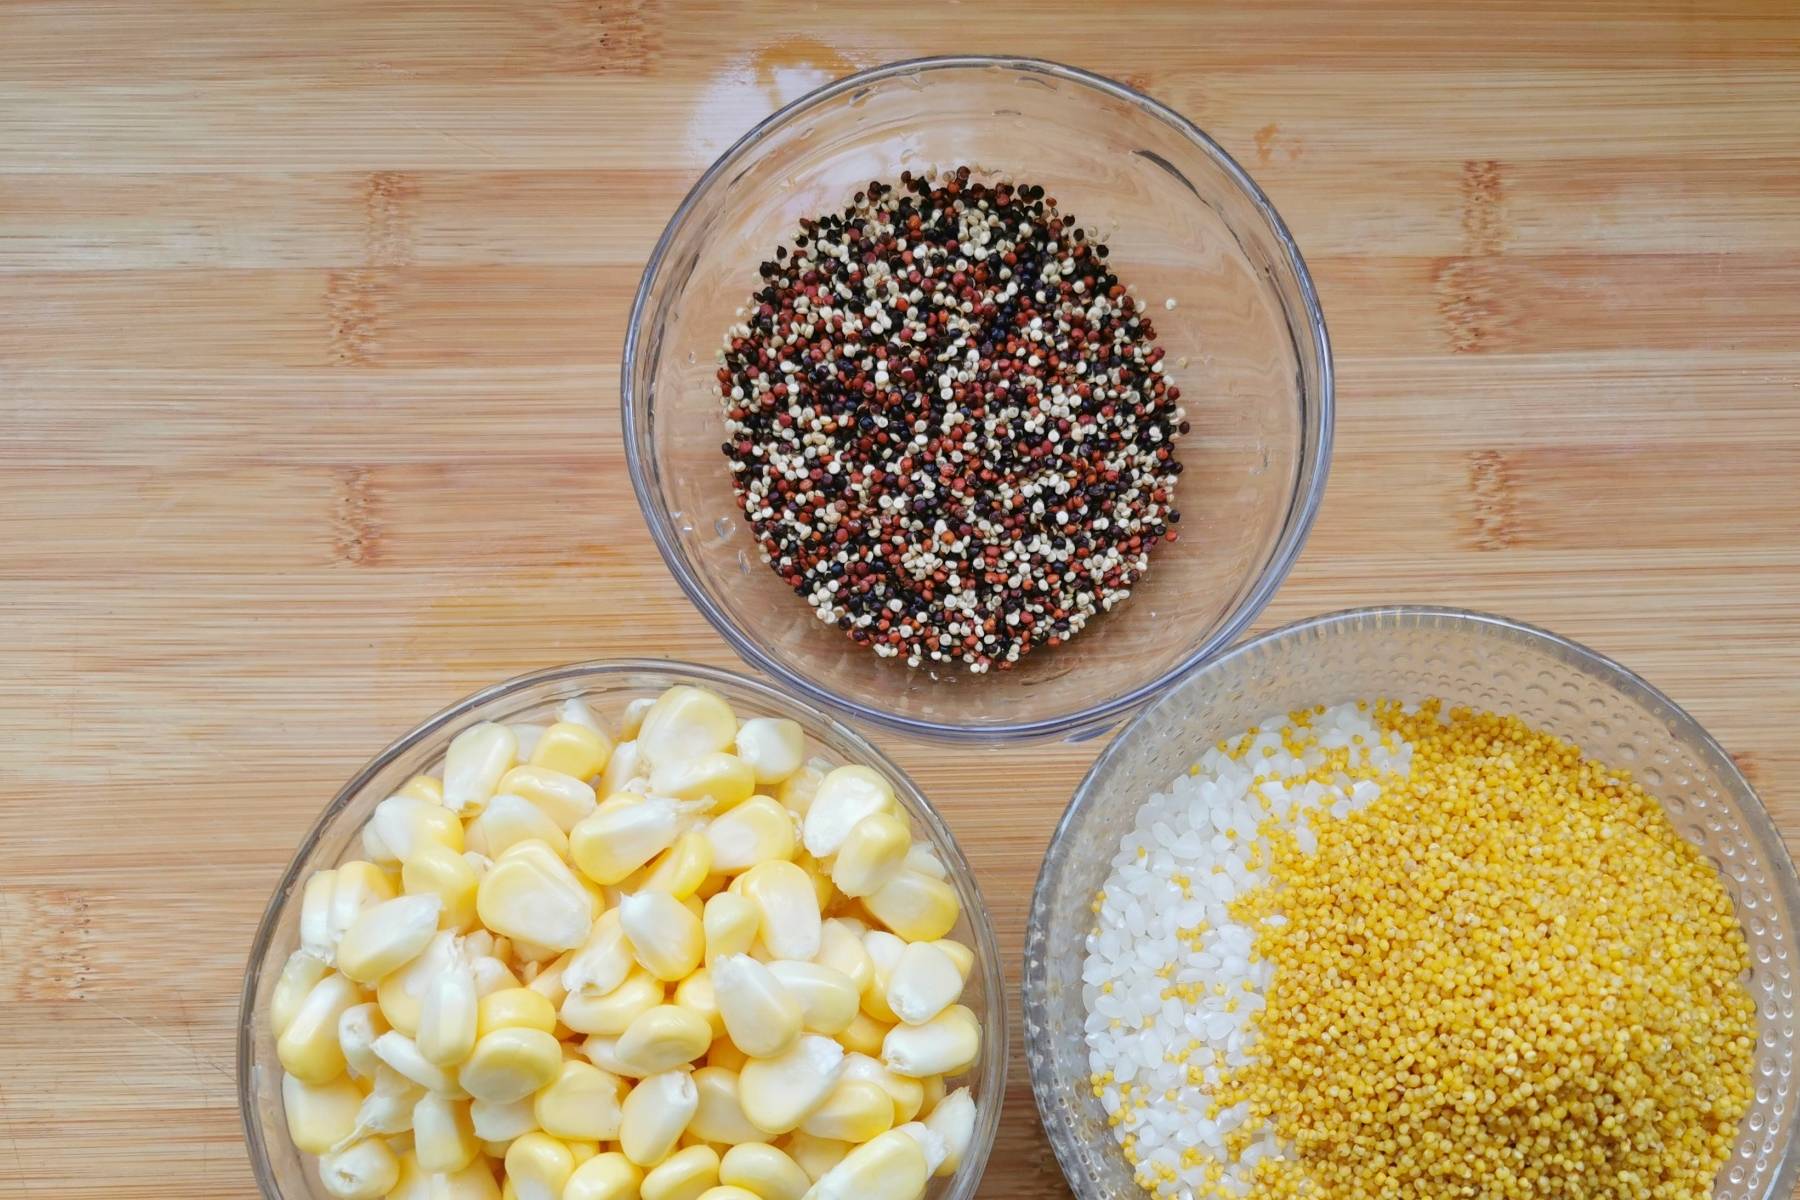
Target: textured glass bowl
1183, 221
1412, 653
285, 1174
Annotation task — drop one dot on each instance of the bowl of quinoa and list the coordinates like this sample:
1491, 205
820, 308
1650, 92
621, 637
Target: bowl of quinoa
977, 398
1415, 902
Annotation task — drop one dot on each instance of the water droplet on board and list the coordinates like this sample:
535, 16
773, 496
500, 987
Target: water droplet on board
725, 527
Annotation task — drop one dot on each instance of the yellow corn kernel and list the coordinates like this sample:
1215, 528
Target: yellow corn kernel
885, 950
945, 1045
820, 874
788, 917
960, 955
443, 1136
758, 830
563, 798
622, 834
865, 1035
891, 1167
696, 994
778, 1092
602, 962
504, 1122
358, 1027
923, 859
513, 1008
933, 1086
684, 723
582, 1150
530, 895
683, 1175
610, 1013
726, 1192
325, 914
309, 1048
814, 1155
473, 1182
924, 982
763, 1171
929, 1143
606, 1176
435, 870
663, 1038
575, 711
508, 820
423, 787
299, 975
725, 1053
872, 854
917, 907
538, 1167
855, 1111
603, 1051
773, 748
762, 1017
401, 994
845, 796
828, 1000
953, 1120
730, 923
719, 1113
510, 1063
546, 979
664, 935
841, 949
401, 824
387, 937
722, 781
582, 1102
320, 1115
572, 749
448, 1017
797, 791
681, 869
656, 1114
473, 765
626, 764
908, 1095
364, 1170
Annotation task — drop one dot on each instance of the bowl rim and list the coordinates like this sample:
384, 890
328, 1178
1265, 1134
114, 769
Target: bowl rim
1033, 979
1080, 723
994, 1059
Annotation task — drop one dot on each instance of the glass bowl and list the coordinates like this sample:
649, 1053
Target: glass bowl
1184, 222
283, 1173
1410, 653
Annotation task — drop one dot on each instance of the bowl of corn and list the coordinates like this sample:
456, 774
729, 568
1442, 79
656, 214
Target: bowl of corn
624, 929
1415, 901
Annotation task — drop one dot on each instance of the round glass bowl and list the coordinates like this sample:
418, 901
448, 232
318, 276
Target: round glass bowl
1246, 344
1410, 654
283, 1173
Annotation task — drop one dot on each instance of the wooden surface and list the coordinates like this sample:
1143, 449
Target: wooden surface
309, 328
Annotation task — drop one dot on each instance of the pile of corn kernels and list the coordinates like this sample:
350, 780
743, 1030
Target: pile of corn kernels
1475, 963
685, 965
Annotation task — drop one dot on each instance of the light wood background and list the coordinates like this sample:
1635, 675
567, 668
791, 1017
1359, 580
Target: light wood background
310, 318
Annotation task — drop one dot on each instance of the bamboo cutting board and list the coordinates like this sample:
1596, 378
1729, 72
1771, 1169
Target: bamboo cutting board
309, 330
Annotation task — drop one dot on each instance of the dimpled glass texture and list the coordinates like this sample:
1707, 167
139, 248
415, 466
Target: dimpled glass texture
1411, 654
285, 1174
1246, 344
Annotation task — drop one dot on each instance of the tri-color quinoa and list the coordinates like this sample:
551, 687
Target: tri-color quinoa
948, 423
1372, 951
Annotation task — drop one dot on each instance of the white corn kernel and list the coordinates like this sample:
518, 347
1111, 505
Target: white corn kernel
730, 923
719, 1114
778, 1092
762, 1016
364, 1170
797, 791
924, 982
623, 834
664, 934
504, 1122
530, 894
929, 1142
626, 765
582, 1102
945, 1045
563, 798
959, 954
603, 1051
435, 870
918, 907
855, 1111
401, 824
763, 1171
758, 830
872, 854
309, 1048
656, 1113
841, 948
884, 951
719, 780
356, 888
491, 975
473, 1182
685, 723
299, 974
388, 1108
908, 1095
953, 1120
575, 711
388, 936
773, 747
604, 961
402, 993
608, 1176
828, 1000
631, 718
508, 820
315, 916
402, 1054
684, 1175
663, 1038
845, 796
923, 859
538, 1167
473, 765
814, 1155
787, 908
610, 1013
358, 1027
697, 994
525, 737
443, 1135
447, 1017
319, 1115
891, 1167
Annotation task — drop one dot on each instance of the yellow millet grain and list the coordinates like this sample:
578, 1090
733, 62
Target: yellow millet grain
1507, 977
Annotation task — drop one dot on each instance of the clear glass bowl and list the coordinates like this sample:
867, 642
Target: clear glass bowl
285, 1174
1411, 653
1183, 221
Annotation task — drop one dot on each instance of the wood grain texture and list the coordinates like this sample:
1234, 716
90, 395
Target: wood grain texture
310, 319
